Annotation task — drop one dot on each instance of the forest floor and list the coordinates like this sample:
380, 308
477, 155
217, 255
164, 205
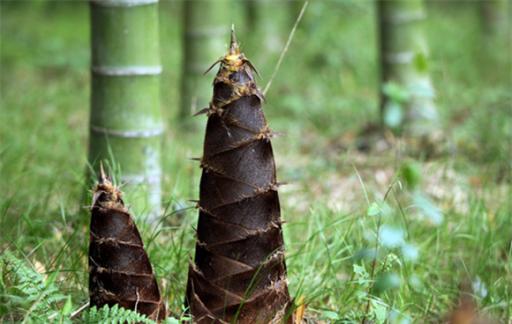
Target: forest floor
438, 228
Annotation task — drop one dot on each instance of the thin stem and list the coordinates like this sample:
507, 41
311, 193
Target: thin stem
374, 262
362, 185
79, 310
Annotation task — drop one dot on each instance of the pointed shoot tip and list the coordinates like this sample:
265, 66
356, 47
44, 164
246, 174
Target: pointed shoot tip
102, 176
233, 48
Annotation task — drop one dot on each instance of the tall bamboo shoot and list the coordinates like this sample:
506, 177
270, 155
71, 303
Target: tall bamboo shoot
239, 273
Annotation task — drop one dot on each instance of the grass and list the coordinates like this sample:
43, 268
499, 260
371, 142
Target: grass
336, 218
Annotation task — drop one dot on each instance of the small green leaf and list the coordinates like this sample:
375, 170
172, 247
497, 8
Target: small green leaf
421, 62
359, 271
330, 315
395, 92
379, 209
68, 306
380, 310
411, 173
373, 210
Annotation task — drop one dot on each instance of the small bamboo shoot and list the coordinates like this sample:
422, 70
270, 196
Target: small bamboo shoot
119, 268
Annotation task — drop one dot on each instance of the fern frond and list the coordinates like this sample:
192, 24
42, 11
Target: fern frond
28, 294
114, 314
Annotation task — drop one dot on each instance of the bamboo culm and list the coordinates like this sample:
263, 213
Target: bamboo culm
493, 15
404, 63
204, 34
119, 268
125, 122
239, 272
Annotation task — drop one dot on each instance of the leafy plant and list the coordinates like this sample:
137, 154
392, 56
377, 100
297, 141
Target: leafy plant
28, 295
114, 314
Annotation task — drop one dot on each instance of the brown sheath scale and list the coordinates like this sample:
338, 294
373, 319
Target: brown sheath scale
239, 273
119, 268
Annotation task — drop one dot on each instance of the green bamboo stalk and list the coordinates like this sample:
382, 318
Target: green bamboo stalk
267, 20
407, 94
494, 16
205, 28
125, 121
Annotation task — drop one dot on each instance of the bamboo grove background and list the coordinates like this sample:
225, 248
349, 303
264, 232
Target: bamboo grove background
439, 219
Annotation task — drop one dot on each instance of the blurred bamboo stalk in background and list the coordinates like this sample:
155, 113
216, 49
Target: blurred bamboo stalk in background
205, 28
268, 25
125, 122
407, 94
494, 15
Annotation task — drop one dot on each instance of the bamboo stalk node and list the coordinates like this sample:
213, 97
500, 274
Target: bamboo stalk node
405, 17
404, 57
127, 133
122, 3
126, 70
